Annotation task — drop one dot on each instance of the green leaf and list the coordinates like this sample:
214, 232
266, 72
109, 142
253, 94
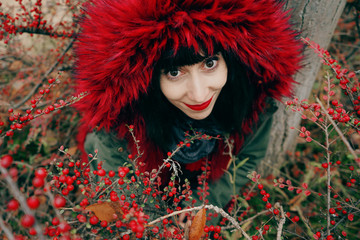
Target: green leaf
242, 163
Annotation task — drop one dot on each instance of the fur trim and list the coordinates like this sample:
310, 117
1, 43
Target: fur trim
121, 40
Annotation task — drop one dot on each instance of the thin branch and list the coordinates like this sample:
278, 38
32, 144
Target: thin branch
43, 32
216, 209
281, 224
20, 197
6, 230
328, 185
253, 217
44, 78
346, 142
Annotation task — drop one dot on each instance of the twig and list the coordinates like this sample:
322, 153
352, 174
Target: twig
44, 32
343, 218
281, 224
216, 209
253, 217
328, 176
297, 235
339, 132
51, 197
6, 230
20, 197
248, 219
105, 189
44, 78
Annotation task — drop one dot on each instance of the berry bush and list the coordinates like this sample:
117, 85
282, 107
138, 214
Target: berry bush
46, 192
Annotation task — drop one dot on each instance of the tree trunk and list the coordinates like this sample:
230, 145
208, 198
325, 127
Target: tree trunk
315, 19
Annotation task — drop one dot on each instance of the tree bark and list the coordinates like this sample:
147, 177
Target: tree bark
315, 19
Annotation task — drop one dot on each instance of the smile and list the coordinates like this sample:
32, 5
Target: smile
199, 107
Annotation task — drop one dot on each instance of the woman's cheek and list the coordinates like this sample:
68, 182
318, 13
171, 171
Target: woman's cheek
171, 91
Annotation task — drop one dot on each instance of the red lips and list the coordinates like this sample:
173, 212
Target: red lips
199, 107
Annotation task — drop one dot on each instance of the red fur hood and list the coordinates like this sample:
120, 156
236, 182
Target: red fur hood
121, 40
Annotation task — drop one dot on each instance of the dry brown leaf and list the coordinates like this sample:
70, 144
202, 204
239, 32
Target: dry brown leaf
72, 150
15, 65
198, 224
106, 211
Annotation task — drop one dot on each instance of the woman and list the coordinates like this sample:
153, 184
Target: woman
171, 67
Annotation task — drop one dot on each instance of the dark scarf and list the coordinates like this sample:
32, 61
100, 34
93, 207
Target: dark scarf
199, 148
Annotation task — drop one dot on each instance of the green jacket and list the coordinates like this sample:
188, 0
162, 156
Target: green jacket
113, 153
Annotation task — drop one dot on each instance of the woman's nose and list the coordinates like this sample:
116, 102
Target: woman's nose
197, 88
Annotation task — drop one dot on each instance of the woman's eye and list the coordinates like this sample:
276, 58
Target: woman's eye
210, 63
173, 73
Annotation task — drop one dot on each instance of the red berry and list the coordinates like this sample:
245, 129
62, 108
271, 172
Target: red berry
65, 171
276, 211
64, 227
27, 221
59, 202
122, 174
111, 173
118, 224
260, 186
38, 182
94, 220
41, 172
155, 229
33, 202
296, 219
139, 235
81, 218
6, 161
268, 205
55, 221
13, 205
32, 231
332, 211
101, 172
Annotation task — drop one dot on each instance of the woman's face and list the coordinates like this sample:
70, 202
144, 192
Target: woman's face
194, 89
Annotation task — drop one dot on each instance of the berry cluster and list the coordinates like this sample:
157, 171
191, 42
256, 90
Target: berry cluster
30, 19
